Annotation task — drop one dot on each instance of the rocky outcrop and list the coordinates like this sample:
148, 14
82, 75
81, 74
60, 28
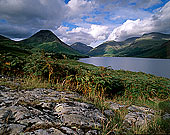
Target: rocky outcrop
50, 112
47, 112
137, 116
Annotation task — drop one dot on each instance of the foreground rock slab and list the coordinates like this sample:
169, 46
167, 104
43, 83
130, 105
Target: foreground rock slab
47, 112
138, 116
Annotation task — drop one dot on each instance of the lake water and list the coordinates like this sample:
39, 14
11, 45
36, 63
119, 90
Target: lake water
158, 67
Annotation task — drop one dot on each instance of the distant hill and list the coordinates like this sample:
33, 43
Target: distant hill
110, 47
162, 51
129, 40
48, 41
148, 45
166, 50
145, 46
151, 45
82, 48
41, 37
42, 40
156, 35
105, 48
3, 38
12, 47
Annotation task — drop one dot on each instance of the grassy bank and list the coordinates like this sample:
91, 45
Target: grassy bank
96, 84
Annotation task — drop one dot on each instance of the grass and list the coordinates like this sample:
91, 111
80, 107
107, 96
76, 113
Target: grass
96, 84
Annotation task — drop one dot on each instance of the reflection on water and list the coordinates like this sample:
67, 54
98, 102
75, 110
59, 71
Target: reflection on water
158, 67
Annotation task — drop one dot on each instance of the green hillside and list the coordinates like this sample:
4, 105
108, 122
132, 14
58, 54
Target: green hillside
110, 48
12, 47
148, 45
106, 48
162, 51
49, 42
82, 48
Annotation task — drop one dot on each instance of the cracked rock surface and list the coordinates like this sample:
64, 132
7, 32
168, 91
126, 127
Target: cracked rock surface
138, 116
47, 112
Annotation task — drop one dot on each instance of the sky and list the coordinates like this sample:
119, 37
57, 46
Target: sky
88, 21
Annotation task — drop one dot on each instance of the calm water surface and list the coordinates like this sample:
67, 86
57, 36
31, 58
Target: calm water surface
158, 67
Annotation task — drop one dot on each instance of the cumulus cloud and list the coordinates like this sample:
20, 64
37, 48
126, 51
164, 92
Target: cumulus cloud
98, 32
81, 34
110, 4
80, 6
26, 16
131, 29
160, 22
132, 14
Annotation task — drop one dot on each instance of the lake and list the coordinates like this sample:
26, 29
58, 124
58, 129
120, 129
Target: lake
158, 67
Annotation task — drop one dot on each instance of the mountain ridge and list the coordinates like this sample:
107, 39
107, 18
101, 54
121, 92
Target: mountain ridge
81, 47
147, 45
42, 40
42, 36
48, 41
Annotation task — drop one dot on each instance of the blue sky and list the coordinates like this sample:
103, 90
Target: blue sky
88, 21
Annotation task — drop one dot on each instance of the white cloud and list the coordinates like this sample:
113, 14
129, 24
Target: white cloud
84, 35
79, 8
78, 34
131, 29
98, 32
160, 22
132, 14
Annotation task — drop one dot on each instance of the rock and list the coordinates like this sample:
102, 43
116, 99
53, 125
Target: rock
16, 128
166, 116
92, 132
81, 114
4, 88
47, 112
108, 113
115, 106
51, 131
68, 131
137, 118
141, 109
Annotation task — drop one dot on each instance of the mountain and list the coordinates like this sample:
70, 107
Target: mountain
49, 42
162, 51
156, 35
3, 38
129, 40
165, 50
105, 48
145, 46
148, 45
41, 37
109, 48
11, 47
82, 48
